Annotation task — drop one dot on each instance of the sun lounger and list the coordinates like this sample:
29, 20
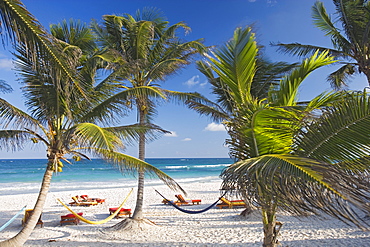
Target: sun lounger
86, 198
77, 202
123, 212
182, 201
70, 219
27, 215
165, 201
230, 204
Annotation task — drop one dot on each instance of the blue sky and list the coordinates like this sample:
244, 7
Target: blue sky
213, 20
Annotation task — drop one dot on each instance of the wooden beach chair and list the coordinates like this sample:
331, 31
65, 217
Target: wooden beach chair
123, 212
77, 202
182, 201
165, 201
70, 219
27, 215
86, 198
230, 204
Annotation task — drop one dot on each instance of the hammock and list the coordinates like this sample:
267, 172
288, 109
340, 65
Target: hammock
191, 211
100, 221
12, 219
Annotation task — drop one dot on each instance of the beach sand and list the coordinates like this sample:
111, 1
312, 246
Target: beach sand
216, 227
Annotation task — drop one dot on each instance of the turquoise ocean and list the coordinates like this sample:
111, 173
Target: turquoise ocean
29, 172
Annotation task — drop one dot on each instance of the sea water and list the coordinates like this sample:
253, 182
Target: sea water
32, 170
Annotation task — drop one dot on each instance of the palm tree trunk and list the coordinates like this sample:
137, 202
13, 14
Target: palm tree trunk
19, 239
269, 226
138, 213
367, 73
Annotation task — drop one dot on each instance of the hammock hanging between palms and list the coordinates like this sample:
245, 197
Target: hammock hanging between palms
191, 211
100, 221
12, 219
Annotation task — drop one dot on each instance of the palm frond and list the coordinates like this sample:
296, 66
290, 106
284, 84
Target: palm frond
302, 50
131, 133
12, 116
339, 78
341, 133
14, 140
286, 92
208, 108
165, 68
267, 75
323, 100
121, 103
5, 88
91, 135
75, 33
271, 130
23, 27
235, 63
322, 20
126, 163
143, 39
297, 185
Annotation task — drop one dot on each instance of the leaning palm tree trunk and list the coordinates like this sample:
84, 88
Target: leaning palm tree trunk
19, 239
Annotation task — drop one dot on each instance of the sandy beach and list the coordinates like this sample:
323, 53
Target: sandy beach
216, 227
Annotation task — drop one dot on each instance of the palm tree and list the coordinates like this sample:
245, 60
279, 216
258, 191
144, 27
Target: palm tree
289, 155
69, 126
147, 51
349, 35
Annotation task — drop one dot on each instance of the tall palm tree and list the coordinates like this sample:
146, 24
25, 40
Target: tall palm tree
349, 34
147, 50
69, 126
297, 157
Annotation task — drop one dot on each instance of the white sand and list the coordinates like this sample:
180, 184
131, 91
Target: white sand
215, 227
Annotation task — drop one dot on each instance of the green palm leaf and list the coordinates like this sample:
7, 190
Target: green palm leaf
131, 133
121, 103
339, 78
350, 40
324, 99
4, 87
287, 91
128, 163
92, 135
14, 140
12, 116
322, 20
24, 28
235, 64
341, 133
297, 185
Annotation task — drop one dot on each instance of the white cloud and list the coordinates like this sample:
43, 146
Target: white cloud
192, 81
203, 84
215, 127
171, 134
186, 139
6, 63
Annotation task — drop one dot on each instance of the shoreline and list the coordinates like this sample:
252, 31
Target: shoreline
216, 227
